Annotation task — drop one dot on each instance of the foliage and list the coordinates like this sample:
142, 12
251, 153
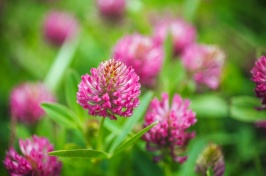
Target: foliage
225, 116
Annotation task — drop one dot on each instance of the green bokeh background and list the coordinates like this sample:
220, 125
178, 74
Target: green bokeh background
238, 27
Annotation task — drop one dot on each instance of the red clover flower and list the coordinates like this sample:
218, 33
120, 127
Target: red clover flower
111, 8
141, 53
169, 136
182, 33
111, 89
59, 27
211, 158
260, 124
259, 77
205, 63
25, 101
34, 159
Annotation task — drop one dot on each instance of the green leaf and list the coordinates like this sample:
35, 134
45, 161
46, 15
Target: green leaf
243, 108
190, 8
62, 115
168, 51
195, 147
133, 139
71, 90
173, 71
168, 56
176, 75
79, 153
209, 106
128, 126
61, 63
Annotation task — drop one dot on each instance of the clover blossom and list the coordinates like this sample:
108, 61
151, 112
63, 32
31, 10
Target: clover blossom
182, 33
142, 54
259, 78
111, 8
112, 89
204, 63
169, 137
210, 158
25, 101
34, 159
59, 27
260, 124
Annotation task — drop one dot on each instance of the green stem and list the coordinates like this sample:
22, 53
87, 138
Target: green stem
167, 170
209, 172
13, 131
99, 139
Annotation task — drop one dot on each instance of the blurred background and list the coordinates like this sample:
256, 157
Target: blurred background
237, 27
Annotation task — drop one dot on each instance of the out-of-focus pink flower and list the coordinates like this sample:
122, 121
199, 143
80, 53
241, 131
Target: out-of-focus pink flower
169, 136
182, 33
25, 101
111, 8
59, 27
34, 159
259, 77
111, 89
261, 124
140, 52
205, 63
211, 158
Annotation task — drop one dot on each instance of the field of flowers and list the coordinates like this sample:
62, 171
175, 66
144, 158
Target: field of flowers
133, 88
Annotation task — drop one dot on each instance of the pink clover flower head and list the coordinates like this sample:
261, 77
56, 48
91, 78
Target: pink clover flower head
25, 101
261, 124
34, 159
182, 33
210, 158
59, 27
111, 8
141, 53
169, 136
205, 63
259, 78
111, 89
